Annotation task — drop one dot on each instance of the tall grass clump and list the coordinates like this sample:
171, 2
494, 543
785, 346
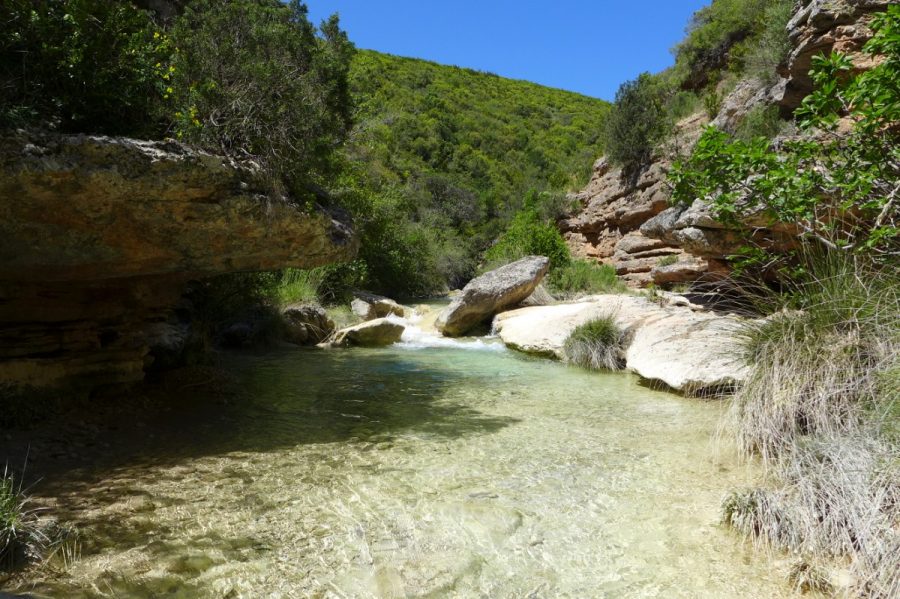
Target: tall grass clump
596, 345
23, 538
298, 285
583, 277
820, 408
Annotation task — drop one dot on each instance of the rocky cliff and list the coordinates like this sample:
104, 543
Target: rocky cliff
628, 223
98, 236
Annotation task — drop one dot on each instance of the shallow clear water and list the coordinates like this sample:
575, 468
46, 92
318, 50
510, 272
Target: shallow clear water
415, 471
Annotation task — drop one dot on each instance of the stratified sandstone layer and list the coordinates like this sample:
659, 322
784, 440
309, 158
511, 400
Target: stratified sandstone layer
98, 236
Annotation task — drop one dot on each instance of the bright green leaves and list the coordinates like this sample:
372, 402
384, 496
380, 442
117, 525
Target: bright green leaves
838, 188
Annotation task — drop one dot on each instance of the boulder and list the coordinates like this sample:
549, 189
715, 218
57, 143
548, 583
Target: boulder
491, 293
372, 333
369, 306
307, 324
687, 270
687, 350
539, 297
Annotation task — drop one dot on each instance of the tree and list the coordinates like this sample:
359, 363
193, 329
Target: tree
255, 79
637, 122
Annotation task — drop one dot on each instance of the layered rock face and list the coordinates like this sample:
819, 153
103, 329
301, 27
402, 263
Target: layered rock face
613, 209
98, 236
820, 27
629, 224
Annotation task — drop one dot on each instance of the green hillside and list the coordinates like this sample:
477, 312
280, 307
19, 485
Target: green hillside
453, 152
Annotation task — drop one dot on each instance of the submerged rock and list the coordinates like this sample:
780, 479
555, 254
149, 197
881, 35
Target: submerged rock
372, 333
369, 306
688, 350
491, 293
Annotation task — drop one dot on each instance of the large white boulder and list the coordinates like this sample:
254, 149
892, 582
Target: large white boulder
688, 350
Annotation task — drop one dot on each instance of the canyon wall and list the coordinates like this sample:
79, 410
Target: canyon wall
627, 222
99, 235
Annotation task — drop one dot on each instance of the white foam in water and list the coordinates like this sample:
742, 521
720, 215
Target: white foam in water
416, 338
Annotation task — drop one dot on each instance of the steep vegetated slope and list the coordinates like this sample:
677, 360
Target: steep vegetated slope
446, 156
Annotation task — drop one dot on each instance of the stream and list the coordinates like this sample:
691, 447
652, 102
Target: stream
432, 468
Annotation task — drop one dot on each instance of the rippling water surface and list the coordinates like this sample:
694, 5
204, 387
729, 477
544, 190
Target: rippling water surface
415, 471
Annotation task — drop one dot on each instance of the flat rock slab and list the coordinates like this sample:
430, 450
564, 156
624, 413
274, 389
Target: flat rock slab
491, 293
687, 350
372, 333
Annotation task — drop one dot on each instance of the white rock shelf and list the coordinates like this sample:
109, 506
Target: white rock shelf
687, 349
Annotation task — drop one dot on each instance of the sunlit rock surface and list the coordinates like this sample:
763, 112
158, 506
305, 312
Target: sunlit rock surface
492, 292
685, 348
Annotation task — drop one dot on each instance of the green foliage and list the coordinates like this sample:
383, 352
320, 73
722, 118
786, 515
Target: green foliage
760, 121
667, 260
584, 277
761, 55
595, 344
728, 33
81, 66
638, 121
529, 235
443, 158
23, 538
839, 189
253, 78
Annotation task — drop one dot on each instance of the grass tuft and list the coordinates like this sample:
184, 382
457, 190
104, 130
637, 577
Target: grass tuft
820, 409
299, 286
596, 345
583, 277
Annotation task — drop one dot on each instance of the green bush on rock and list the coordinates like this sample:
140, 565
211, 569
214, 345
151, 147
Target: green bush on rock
254, 78
584, 277
82, 66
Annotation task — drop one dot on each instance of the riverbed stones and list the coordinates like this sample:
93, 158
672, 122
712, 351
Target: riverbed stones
491, 293
687, 350
369, 306
372, 333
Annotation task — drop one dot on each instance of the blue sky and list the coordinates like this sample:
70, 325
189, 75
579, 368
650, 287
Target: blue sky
587, 46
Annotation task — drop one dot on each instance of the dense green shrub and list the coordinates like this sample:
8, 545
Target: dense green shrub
771, 46
840, 190
584, 277
638, 121
760, 121
82, 65
528, 235
253, 78
596, 345
722, 34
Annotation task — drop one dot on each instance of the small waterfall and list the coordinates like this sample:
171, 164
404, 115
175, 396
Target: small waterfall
420, 333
